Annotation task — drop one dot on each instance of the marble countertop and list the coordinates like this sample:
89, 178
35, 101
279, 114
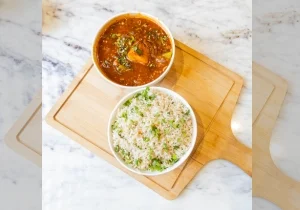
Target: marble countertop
76, 179
20, 79
276, 28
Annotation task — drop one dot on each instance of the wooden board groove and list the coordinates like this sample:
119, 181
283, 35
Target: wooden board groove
83, 110
19, 135
25, 136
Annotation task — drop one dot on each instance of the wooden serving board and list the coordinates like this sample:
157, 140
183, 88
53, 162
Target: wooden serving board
269, 182
25, 137
83, 111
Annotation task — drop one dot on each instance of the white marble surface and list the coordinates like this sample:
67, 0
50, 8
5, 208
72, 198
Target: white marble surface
276, 29
20, 78
73, 178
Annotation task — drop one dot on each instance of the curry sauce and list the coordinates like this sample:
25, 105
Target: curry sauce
133, 51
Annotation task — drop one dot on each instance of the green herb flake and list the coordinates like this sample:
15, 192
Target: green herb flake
156, 165
136, 108
120, 134
174, 158
146, 139
114, 126
122, 43
122, 152
137, 95
151, 153
128, 160
124, 115
171, 123
135, 144
165, 147
154, 130
128, 102
163, 39
137, 50
123, 62
117, 148
138, 162
131, 40
182, 121
187, 112
145, 93
167, 131
152, 97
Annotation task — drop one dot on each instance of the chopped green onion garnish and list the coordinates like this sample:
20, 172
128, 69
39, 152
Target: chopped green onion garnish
124, 115
165, 147
128, 102
187, 112
137, 50
176, 147
117, 148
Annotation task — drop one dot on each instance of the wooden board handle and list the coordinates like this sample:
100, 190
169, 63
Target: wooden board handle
240, 155
273, 185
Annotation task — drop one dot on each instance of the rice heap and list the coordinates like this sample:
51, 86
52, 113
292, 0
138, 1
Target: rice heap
152, 130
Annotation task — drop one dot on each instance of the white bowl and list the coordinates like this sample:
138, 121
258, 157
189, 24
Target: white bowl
181, 160
133, 14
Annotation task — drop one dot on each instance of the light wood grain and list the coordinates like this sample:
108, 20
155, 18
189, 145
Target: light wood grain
25, 136
212, 90
261, 91
268, 181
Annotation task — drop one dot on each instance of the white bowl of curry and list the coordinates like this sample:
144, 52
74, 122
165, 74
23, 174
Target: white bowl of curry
133, 50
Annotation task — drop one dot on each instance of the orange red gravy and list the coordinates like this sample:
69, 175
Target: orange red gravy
133, 51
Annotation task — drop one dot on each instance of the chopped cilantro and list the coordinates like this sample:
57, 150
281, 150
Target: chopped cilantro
146, 139
156, 165
128, 102
124, 115
187, 112
137, 50
138, 162
117, 148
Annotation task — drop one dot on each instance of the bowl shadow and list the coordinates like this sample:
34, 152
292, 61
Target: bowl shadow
175, 72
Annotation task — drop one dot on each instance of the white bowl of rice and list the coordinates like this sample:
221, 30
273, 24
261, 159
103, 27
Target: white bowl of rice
152, 131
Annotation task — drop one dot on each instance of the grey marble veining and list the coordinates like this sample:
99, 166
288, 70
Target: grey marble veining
20, 79
20, 65
76, 179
